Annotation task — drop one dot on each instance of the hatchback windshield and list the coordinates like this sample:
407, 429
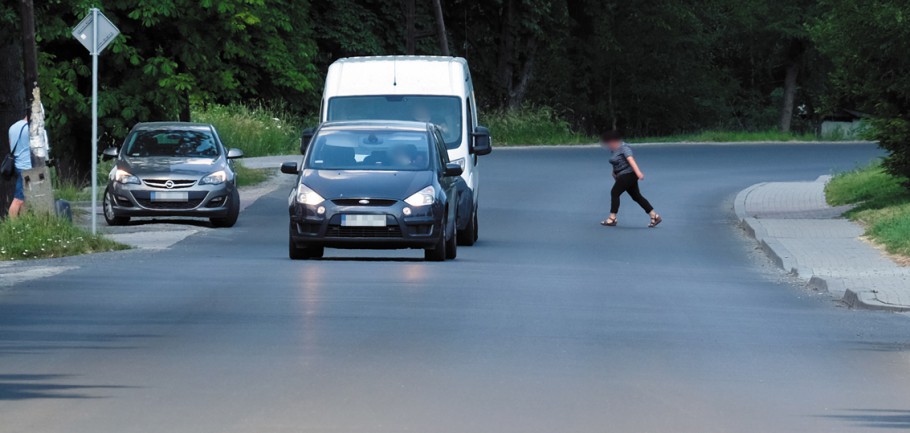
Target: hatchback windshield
443, 111
172, 143
370, 150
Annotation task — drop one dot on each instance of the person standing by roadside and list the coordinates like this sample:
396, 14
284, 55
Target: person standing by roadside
626, 174
19, 147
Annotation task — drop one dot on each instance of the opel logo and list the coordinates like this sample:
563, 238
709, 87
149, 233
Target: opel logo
169, 184
364, 202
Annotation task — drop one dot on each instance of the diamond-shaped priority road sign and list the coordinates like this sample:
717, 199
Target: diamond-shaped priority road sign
107, 31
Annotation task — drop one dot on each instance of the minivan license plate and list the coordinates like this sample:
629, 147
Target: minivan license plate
169, 196
363, 221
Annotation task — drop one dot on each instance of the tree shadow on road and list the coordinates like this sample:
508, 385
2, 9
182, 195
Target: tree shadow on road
876, 418
44, 386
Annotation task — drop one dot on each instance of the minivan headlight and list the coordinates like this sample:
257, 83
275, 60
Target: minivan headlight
124, 177
307, 196
425, 197
216, 178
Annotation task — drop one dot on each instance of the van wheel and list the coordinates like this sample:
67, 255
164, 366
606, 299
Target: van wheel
109, 215
233, 212
468, 236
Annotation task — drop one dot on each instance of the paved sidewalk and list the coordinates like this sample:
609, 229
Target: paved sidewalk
808, 238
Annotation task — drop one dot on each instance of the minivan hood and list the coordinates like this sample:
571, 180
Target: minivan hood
393, 185
192, 167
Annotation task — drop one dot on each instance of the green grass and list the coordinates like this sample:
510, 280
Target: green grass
258, 131
250, 176
732, 136
37, 237
531, 126
882, 205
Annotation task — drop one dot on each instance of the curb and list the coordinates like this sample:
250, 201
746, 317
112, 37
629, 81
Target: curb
784, 259
683, 143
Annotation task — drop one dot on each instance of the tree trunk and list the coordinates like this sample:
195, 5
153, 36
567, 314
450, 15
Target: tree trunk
786, 113
520, 91
505, 67
12, 101
30, 48
411, 31
441, 29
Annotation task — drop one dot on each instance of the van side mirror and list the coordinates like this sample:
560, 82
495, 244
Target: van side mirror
482, 142
289, 168
453, 170
110, 153
234, 154
305, 139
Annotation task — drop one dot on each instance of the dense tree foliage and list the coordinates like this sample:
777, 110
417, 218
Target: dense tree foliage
869, 44
646, 66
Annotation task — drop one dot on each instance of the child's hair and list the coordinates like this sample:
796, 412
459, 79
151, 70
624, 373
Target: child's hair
611, 135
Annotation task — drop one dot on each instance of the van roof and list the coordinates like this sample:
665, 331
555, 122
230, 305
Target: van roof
398, 75
395, 125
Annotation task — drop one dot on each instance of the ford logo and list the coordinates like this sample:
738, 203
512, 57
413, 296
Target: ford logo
364, 202
169, 184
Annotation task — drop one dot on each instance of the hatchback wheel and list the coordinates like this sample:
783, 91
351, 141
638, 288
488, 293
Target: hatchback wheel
109, 214
233, 212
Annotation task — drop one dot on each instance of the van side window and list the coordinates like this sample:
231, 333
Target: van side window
470, 118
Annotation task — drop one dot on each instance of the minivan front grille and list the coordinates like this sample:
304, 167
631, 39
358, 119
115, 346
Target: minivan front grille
335, 231
363, 202
175, 183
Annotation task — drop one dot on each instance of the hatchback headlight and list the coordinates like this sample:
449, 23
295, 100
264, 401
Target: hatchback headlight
216, 178
425, 197
307, 196
124, 177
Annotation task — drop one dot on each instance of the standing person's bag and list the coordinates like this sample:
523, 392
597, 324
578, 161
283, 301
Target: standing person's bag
8, 166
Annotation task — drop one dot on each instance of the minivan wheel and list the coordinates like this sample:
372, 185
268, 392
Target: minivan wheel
109, 215
438, 252
302, 253
468, 236
233, 212
452, 246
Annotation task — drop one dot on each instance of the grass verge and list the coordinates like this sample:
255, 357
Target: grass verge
251, 176
531, 126
258, 131
882, 205
735, 136
42, 236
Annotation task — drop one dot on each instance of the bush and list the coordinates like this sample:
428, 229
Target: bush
42, 236
258, 131
530, 126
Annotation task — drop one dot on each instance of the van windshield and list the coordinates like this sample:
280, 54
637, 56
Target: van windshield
444, 111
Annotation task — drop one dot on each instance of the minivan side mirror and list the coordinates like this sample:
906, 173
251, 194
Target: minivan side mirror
234, 154
453, 170
482, 142
110, 153
289, 168
305, 139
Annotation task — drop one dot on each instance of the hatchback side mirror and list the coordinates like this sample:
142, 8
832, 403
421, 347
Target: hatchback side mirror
289, 168
110, 153
305, 139
453, 170
483, 143
234, 154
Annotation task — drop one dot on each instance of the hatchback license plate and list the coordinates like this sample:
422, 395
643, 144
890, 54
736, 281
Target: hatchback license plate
170, 196
363, 221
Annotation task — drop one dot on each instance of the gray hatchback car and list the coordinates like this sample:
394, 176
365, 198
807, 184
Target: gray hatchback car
172, 169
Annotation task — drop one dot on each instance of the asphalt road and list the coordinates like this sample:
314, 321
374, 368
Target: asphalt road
551, 323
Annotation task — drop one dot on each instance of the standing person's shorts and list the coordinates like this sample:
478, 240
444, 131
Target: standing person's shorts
20, 187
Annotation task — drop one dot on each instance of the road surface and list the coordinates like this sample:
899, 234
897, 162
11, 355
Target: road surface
551, 323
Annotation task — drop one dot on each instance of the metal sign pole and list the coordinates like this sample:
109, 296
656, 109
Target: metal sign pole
94, 120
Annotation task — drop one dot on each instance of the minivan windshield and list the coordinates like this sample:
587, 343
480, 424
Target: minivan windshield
195, 143
443, 111
370, 150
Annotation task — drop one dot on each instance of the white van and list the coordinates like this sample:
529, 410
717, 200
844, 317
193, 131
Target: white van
437, 90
